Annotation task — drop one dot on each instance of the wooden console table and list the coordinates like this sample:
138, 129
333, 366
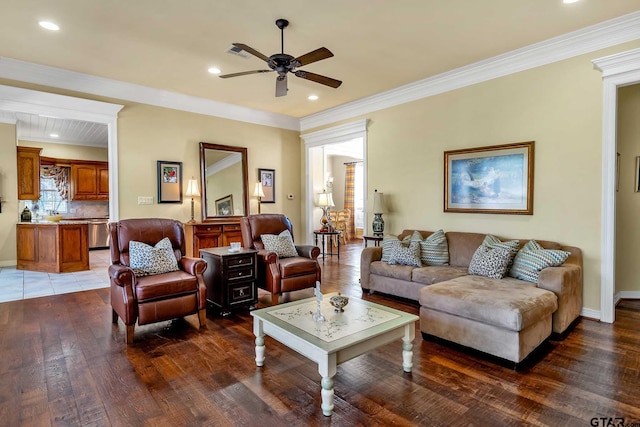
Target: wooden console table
376, 240
323, 247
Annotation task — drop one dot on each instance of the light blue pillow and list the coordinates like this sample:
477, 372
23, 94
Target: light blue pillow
434, 250
533, 258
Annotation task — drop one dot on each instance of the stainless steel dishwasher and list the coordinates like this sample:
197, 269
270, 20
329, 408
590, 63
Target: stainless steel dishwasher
98, 233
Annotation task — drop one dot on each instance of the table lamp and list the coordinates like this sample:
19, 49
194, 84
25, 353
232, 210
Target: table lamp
324, 201
378, 210
259, 193
192, 191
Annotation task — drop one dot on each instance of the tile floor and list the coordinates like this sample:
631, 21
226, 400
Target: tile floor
20, 284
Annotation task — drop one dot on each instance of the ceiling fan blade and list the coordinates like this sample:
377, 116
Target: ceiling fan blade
244, 73
328, 81
281, 85
313, 56
251, 51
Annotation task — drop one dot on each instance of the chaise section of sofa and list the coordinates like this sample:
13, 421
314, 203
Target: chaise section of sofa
505, 317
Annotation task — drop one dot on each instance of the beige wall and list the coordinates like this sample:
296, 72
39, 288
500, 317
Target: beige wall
147, 134
627, 200
68, 151
559, 106
9, 194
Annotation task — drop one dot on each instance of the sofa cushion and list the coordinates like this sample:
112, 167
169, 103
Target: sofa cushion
381, 268
507, 303
405, 255
297, 266
282, 244
462, 246
491, 261
435, 274
147, 260
533, 258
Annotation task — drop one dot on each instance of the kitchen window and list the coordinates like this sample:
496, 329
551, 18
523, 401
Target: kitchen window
50, 198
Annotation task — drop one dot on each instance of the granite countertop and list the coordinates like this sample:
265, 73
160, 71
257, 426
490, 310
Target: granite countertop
62, 222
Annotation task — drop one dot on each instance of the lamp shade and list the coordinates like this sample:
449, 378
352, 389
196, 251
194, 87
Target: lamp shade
378, 202
258, 191
192, 188
324, 200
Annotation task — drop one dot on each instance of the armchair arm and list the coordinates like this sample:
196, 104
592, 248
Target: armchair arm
193, 266
267, 257
566, 282
121, 275
368, 256
308, 251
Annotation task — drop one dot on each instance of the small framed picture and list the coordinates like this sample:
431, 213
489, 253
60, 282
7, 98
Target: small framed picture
637, 187
268, 179
169, 182
224, 206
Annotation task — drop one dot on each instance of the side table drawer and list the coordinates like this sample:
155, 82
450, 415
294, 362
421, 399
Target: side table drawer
235, 262
241, 292
240, 274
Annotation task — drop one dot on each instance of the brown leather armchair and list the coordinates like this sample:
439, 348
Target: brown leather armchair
159, 297
274, 274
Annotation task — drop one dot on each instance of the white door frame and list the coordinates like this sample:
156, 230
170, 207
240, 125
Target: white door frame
618, 70
333, 135
20, 100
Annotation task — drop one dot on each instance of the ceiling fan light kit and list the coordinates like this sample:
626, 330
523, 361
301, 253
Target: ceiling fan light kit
283, 63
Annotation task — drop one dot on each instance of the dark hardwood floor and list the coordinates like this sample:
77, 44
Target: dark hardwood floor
62, 362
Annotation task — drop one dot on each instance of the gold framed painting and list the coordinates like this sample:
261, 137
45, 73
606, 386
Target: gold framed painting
493, 179
169, 182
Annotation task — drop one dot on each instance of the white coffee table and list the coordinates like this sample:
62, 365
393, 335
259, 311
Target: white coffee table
362, 327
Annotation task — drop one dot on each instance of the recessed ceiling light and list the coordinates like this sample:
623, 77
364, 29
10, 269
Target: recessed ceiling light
313, 97
54, 135
214, 70
49, 25
570, 1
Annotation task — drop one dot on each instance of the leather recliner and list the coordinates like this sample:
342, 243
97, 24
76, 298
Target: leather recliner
275, 274
158, 297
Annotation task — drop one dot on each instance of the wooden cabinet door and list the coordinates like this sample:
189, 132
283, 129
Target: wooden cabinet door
28, 173
103, 182
84, 182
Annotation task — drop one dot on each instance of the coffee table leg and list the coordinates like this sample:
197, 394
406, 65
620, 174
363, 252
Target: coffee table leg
407, 347
257, 331
327, 369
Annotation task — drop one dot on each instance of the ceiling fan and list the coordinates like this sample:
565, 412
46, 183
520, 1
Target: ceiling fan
283, 63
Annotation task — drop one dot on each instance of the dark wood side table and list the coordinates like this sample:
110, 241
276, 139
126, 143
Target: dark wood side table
326, 242
376, 240
231, 278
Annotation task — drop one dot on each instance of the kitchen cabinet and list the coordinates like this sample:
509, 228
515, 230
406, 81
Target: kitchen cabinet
52, 247
202, 235
28, 173
90, 181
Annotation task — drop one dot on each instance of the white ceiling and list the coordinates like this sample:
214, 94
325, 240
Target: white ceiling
32, 127
378, 45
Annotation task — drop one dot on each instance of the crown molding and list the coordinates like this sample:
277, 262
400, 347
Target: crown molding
618, 63
334, 134
605, 34
8, 121
15, 69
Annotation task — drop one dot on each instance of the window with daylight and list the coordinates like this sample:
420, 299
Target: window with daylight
50, 198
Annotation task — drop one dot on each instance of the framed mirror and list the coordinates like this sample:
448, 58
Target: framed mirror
223, 173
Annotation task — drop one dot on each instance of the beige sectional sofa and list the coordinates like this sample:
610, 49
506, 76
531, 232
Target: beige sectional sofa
507, 317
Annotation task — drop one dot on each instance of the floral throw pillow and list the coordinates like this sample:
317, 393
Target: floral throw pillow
403, 255
281, 244
490, 262
146, 260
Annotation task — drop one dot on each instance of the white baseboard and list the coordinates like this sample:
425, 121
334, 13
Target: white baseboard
626, 295
590, 313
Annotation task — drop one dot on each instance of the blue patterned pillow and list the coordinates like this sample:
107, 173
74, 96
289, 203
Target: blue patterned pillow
403, 255
434, 250
533, 258
492, 241
389, 242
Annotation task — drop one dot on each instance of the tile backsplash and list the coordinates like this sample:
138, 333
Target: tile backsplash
88, 210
